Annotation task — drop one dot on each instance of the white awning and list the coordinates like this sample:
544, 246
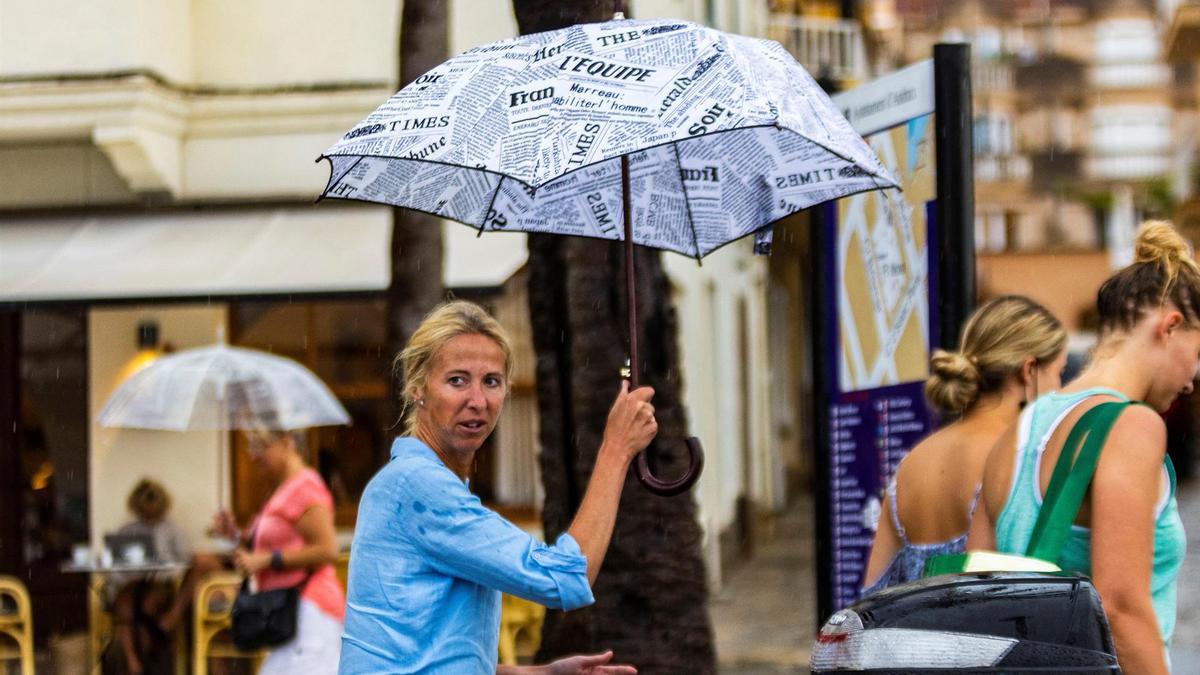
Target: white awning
253, 251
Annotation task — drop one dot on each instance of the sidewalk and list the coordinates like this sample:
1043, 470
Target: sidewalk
764, 618
1185, 647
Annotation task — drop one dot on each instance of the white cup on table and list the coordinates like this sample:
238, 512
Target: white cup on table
135, 554
81, 555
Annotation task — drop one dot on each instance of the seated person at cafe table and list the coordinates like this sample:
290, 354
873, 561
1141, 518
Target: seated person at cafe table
429, 562
141, 601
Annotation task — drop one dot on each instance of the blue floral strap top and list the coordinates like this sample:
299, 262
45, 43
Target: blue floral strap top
909, 561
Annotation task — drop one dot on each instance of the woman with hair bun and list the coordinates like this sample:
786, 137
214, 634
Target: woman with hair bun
1012, 350
1148, 349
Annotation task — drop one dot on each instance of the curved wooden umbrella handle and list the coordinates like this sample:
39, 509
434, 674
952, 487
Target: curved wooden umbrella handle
671, 488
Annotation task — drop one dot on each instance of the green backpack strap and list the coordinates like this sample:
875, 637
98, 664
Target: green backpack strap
1070, 480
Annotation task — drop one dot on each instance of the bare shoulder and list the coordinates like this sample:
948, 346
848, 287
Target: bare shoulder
1129, 473
1141, 430
998, 468
927, 454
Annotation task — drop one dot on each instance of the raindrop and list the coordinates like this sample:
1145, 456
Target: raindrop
421, 529
418, 507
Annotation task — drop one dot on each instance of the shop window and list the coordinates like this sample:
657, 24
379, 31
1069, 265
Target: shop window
345, 343
44, 464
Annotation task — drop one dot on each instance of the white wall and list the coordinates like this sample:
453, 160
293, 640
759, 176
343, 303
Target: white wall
226, 43
66, 36
266, 42
478, 22
707, 299
185, 463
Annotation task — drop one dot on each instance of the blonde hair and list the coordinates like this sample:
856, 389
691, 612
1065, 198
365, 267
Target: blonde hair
997, 340
446, 322
260, 436
1163, 271
148, 500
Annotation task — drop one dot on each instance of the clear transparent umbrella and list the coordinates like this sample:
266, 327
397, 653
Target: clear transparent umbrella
222, 388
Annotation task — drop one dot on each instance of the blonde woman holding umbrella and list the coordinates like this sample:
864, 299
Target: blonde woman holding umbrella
429, 561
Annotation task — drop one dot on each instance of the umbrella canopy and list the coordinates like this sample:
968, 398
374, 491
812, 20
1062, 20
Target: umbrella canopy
222, 387
724, 134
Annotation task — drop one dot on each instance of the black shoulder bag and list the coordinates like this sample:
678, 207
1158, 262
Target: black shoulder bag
267, 618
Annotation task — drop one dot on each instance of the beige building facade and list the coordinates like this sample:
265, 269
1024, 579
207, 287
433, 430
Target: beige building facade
1079, 119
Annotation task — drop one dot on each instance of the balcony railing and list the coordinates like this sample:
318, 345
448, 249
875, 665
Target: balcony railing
992, 76
1130, 76
832, 47
1128, 167
994, 169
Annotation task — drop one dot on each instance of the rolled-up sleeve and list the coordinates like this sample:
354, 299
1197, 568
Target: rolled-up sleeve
460, 537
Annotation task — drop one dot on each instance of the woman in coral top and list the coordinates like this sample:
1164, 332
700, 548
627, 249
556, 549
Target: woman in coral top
292, 543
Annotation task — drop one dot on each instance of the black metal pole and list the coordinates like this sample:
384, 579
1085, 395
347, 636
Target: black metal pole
955, 210
821, 267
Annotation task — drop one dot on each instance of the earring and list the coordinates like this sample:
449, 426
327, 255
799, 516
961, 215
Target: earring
421, 402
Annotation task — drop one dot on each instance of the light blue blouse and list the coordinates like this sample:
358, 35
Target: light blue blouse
428, 564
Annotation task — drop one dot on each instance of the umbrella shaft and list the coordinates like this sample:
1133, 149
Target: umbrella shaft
630, 290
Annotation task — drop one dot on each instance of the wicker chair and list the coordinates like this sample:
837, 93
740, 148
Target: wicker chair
520, 622
17, 624
342, 567
212, 618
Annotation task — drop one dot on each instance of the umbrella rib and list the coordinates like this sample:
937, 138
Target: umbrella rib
686, 202
339, 178
837, 154
488, 210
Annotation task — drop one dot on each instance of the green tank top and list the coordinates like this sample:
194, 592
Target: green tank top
1015, 525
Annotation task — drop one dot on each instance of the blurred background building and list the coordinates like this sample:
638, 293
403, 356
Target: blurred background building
1082, 130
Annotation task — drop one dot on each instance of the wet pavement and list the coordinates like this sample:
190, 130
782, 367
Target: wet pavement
1185, 648
764, 617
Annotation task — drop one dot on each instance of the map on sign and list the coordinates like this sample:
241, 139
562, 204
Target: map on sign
883, 261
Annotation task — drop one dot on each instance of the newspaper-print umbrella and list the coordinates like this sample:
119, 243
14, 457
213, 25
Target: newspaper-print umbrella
222, 388
661, 133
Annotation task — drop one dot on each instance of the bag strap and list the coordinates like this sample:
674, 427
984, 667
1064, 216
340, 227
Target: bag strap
1070, 480
245, 587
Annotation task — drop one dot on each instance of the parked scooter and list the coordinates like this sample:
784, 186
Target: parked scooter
972, 623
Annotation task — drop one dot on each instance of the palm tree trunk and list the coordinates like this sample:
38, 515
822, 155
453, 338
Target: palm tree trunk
416, 284
651, 598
